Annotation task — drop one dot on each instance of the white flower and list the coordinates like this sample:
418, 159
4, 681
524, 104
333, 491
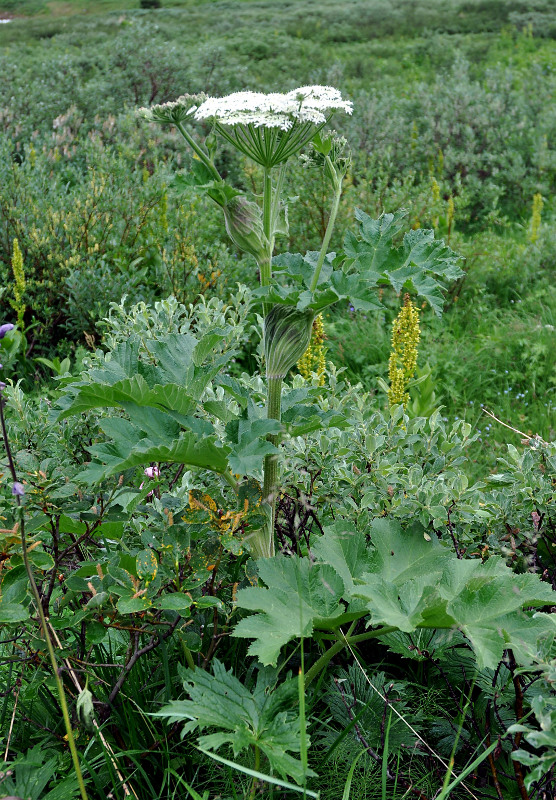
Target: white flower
173, 111
308, 104
323, 98
270, 128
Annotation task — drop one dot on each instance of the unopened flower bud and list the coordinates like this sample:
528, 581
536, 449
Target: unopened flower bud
244, 225
287, 333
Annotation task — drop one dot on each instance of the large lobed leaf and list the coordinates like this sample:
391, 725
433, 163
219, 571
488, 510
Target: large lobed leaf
400, 580
160, 396
373, 257
415, 266
300, 596
242, 718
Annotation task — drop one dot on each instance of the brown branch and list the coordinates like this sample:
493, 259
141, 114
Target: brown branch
492, 764
55, 527
136, 655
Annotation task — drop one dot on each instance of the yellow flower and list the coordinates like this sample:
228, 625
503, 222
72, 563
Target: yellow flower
403, 358
19, 286
313, 359
536, 217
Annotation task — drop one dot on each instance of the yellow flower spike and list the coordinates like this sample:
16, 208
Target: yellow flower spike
536, 218
19, 282
313, 359
403, 358
450, 213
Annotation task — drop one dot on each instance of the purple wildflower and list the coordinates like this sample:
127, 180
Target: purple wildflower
18, 489
6, 328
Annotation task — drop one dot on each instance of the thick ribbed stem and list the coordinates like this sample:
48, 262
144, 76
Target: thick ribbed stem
262, 543
343, 641
265, 264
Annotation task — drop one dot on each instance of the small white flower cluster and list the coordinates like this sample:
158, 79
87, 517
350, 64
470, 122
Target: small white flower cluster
173, 111
275, 110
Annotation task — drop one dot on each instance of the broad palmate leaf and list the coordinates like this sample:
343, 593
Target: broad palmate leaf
415, 266
243, 719
300, 596
160, 395
400, 580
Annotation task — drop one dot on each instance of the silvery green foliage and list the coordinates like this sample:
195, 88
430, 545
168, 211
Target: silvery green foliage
170, 316
541, 739
379, 464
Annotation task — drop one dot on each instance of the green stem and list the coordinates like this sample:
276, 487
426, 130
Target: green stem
343, 641
277, 195
229, 478
265, 265
54, 664
188, 656
199, 151
262, 544
329, 228
256, 768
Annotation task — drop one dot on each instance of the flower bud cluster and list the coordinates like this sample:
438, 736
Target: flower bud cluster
174, 111
328, 150
406, 334
244, 225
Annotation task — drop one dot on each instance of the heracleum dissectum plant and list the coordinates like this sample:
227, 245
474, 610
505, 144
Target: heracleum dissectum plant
403, 358
269, 129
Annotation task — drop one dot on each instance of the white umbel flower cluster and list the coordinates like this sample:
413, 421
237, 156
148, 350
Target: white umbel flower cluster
307, 104
174, 111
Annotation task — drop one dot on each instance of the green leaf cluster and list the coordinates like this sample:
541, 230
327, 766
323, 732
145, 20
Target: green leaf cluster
372, 258
244, 719
400, 581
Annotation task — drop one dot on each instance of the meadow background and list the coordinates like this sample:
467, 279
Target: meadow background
454, 120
